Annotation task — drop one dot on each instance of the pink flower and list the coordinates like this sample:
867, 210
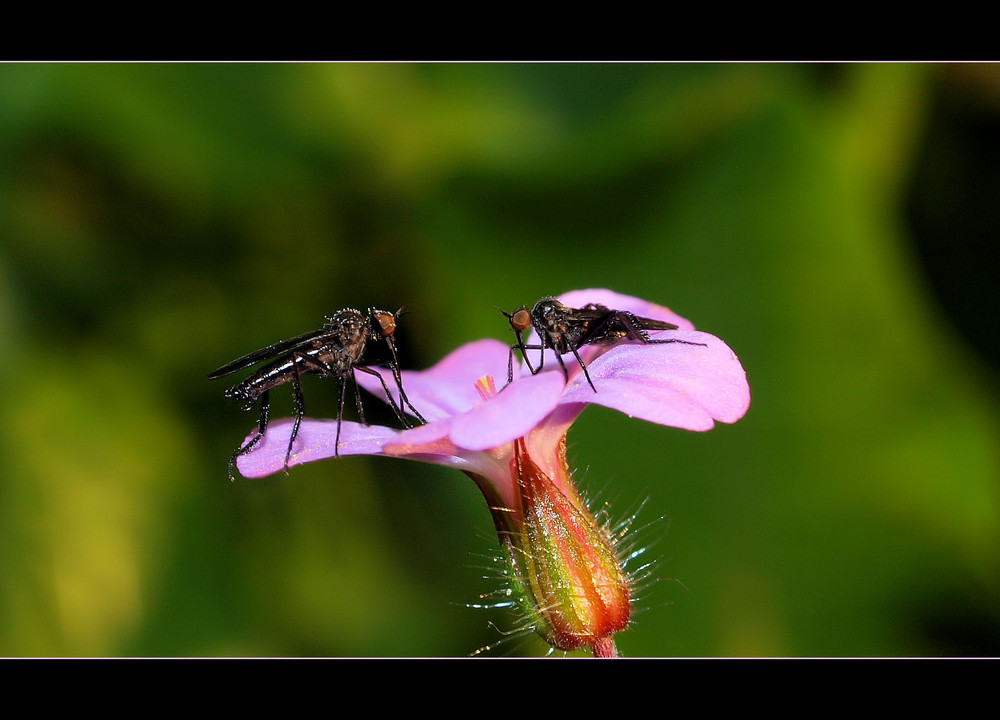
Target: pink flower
512, 443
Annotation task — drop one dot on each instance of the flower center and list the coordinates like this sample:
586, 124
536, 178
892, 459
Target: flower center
486, 387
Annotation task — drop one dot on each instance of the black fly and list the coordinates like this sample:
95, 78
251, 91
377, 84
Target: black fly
565, 330
333, 351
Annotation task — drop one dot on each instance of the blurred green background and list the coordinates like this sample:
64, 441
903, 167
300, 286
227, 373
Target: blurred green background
832, 223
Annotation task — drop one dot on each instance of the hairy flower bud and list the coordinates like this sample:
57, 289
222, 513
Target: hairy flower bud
569, 579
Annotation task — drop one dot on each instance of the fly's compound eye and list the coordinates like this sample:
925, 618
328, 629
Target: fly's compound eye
386, 321
521, 320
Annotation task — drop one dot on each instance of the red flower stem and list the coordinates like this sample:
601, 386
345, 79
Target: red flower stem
605, 648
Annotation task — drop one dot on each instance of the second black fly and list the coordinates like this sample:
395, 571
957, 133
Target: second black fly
565, 330
334, 351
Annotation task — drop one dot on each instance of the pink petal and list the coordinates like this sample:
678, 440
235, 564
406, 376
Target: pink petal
673, 384
315, 441
515, 412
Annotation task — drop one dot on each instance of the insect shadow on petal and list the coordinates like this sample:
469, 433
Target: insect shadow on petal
334, 351
565, 330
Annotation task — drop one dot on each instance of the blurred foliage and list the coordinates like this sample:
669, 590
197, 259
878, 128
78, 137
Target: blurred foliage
829, 222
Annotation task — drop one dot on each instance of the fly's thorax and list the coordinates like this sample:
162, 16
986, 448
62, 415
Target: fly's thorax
344, 344
551, 320
547, 312
347, 322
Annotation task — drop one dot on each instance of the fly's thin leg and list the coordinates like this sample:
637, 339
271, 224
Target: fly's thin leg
634, 331
388, 395
651, 341
402, 393
524, 354
340, 415
393, 366
631, 324
563, 364
357, 400
265, 406
541, 359
300, 411
321, 369
582, 365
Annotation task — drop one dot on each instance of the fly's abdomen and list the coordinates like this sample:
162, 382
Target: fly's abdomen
249, 391
246, 394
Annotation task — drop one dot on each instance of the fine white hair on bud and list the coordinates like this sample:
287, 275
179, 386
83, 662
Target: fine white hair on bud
629, 541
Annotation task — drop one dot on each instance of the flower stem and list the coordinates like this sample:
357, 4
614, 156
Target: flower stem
605, 648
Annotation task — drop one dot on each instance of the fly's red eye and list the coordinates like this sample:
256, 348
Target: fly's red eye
521, 320
387, 321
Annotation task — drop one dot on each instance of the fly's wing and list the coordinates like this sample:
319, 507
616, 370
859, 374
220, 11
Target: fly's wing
613, 325
569, 328
650, 324
268, 353
591, 325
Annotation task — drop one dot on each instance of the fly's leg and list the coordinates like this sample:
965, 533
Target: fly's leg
388, 395
402, 394
520, 346
510, 364
393, 366
634, 331
340, 416
524, 348
541, 361
300, 411
664, 341
323, 370
265, 407
583, 365
357, 401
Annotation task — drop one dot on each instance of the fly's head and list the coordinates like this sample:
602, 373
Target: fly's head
383, 325
520, 321
383, 322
